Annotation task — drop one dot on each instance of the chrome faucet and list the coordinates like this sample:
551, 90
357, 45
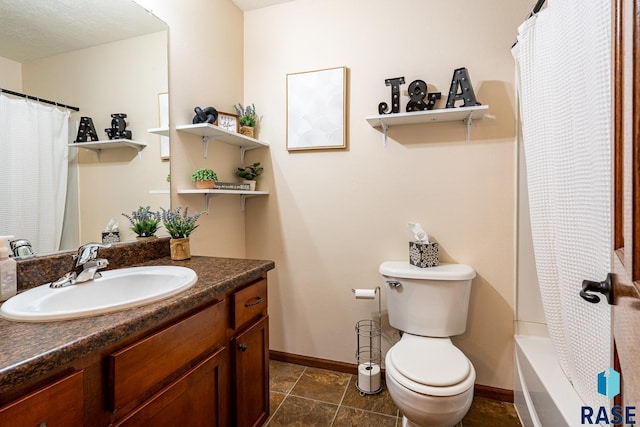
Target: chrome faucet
86, 266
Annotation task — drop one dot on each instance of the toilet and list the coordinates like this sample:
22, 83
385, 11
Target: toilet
429, 379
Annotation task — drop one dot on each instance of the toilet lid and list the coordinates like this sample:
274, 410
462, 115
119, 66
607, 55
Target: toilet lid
430, 361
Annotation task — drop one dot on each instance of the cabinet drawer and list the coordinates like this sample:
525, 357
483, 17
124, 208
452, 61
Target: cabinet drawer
137, 369
249, 303
57, 404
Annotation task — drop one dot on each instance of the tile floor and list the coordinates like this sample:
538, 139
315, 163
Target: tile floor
304, 396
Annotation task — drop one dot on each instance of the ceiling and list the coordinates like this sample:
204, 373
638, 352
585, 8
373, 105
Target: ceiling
35, 29
257, 4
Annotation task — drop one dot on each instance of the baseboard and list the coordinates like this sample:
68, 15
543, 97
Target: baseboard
494, 393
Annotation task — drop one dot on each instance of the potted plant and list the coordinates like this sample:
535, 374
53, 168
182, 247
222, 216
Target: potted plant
144, 222
249, 174
204, 178
180, 226
248, 119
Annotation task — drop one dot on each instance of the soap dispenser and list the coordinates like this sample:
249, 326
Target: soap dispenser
8, 277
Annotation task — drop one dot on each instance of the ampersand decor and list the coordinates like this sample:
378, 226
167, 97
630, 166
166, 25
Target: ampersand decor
206, 115
461, 80
86, 130
417, 93
395, 96
118, 127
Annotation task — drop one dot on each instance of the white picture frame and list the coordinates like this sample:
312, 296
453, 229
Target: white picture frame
317, 109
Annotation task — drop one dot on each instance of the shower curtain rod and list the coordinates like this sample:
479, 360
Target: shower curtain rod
57, 104
536, 9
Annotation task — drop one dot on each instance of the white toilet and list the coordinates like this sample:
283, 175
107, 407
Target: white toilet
429, 379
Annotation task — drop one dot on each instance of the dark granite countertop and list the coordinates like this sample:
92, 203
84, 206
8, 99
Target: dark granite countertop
31, 350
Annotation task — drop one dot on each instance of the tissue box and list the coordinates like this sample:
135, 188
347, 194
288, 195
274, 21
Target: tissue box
423, 254
111, 237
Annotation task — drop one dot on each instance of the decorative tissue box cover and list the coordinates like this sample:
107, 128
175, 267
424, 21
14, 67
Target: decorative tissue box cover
423, 254
111, 237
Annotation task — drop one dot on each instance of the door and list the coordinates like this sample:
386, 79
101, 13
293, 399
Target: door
626, 258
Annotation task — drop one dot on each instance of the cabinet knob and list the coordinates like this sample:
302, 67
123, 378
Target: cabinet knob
242, 347
42, 425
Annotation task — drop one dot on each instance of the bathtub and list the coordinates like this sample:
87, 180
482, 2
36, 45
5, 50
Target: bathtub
543, 396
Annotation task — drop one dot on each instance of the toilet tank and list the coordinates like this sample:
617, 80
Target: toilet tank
430, 302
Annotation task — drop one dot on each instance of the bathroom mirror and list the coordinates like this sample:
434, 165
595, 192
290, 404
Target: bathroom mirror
104, 58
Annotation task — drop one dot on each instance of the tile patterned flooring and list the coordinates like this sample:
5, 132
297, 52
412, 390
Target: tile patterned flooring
304, 396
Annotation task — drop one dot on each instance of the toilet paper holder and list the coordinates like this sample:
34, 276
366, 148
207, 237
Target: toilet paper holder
369, 294
369, 357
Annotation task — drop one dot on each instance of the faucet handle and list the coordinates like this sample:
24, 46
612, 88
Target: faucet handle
88, 252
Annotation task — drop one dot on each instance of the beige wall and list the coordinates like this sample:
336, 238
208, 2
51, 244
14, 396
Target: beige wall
10, 75
205, 69
121, 77
333, 216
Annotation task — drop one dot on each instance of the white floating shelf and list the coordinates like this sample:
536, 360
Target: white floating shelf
159, 131
108, 144
208, 132
213, 192
466, 114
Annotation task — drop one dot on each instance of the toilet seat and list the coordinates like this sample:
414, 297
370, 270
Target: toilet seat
432, 366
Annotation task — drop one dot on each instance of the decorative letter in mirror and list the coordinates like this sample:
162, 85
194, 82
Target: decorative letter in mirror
86, 130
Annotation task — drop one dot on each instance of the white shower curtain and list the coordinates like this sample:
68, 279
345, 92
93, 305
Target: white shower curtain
563, 59
33, 171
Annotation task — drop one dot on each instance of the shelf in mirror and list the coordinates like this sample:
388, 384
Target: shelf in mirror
162, 131
98, 146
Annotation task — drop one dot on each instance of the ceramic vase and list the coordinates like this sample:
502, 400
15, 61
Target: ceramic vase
180, 249
252, 184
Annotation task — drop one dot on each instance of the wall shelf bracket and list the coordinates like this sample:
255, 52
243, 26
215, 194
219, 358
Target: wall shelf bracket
205, 145
244, 150
385, 129
467, 127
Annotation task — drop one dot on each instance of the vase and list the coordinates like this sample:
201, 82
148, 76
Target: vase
247, 131
180, 249
252, 184
146, 238
205, 185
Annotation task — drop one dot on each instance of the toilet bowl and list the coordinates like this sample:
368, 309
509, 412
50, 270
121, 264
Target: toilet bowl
430, 380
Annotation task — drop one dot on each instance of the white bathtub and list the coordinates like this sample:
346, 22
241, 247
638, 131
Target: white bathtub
543, 395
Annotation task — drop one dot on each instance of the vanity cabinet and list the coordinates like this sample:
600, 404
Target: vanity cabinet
206, 367
57, 404
250, 355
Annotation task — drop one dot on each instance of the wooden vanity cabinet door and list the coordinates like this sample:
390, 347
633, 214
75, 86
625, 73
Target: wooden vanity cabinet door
60, 403
251, 369
198, 398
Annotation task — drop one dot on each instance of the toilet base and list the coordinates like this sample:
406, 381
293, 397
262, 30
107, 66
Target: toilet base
407, 423
431, 411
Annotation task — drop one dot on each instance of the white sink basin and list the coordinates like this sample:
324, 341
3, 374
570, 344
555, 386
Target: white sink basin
115, 290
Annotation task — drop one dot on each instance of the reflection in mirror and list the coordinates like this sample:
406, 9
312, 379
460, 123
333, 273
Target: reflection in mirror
104, 58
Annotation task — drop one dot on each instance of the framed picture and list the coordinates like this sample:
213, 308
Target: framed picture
229, 122
317, 109
163, 108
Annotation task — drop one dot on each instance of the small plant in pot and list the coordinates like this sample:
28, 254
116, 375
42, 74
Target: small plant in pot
249, 174
180, 226
144, 222
204, 178
248, 119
